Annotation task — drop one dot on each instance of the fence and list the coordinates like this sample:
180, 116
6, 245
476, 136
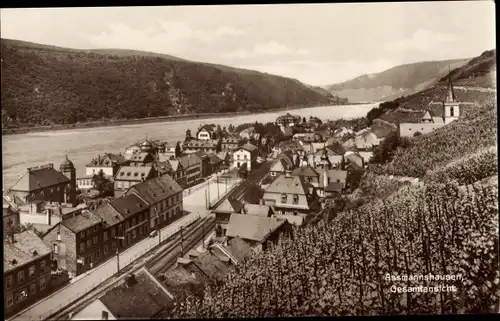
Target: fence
91, 282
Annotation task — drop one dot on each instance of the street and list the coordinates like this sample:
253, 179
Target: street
193, 203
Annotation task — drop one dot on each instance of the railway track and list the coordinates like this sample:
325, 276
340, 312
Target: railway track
162, 263
255, 177
142, 261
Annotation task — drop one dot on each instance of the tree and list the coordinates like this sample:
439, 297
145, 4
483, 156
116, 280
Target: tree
218, 147
103, 184
417, 134
304, 120
178, 151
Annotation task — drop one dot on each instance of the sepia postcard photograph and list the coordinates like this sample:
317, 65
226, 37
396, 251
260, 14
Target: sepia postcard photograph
239, 161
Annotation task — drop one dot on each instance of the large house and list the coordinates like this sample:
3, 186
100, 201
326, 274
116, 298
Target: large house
430, 122
76, 242
206, 132
128, 176
44, 183
288, 121
335, 157
192, 167
207, 146
27, 267
246, 154
108, 164
231, 143
225, 209
309, 174
163, 196
291, 195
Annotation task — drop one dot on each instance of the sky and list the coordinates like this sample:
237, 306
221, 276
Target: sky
318, 44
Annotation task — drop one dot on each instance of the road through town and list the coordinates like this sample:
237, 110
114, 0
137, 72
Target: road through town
194, 203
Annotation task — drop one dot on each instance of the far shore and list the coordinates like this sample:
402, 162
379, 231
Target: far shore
109, 123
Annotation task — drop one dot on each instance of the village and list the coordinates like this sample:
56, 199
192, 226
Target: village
241, 188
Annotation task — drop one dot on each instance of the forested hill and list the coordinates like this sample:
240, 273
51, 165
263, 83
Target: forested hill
395, 82
44, 85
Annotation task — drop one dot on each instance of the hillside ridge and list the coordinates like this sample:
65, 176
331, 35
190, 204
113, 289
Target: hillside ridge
48, 85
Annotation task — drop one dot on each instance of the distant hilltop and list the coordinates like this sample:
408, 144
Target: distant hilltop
46, 85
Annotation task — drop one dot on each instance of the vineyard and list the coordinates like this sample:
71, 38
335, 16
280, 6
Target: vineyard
340, 267
470, 169
459, 138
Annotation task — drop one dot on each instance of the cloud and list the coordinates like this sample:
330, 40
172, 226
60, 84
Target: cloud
271, 48
171, 37
423, 39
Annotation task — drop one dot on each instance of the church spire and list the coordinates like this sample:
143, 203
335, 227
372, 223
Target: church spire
450, 97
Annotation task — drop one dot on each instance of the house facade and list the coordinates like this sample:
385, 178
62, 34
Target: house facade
163, 196
128, 176
108, 164
192, 170
246, 154
27, 267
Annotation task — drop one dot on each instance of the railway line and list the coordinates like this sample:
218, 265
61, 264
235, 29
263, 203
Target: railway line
148, 259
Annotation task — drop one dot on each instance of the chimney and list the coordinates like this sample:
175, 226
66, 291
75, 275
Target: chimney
130, 280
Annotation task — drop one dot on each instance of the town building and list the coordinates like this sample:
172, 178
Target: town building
288, 120
255, 230
192, 170
45, 184
231, 143
206, 132
163, 196
27, 271
225, 209
331, 181
335, 157
206, 267
207, 146
141, 159
246, 154
285, 160
76, 242
354, 161
309, 174
257, 209
138, 296
291, 195
429, 122
128, 176
11, 217
108, 163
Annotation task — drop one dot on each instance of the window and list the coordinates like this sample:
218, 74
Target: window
105, 249
112, 232
10, 301
42, 266
31, 271
42, 284
56, 248
8, 281
133, 221
105, 315
82, 234
283, 198
82, 247
295, 199
20, 277
105, 236
113, 245
21, 295
134, 234
177, 210
452, 111
97, 255
89, 244
95, 228
96, 240
33, 288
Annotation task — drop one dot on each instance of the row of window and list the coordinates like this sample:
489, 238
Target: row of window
49, 191
22, 295
167, 203
245, 157
9, 280
295, 198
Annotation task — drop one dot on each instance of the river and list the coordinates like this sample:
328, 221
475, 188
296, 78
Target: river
81, 145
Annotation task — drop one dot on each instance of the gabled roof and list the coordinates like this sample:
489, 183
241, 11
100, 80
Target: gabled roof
156, 189
108, 214
334, 187
81, 221
133, 173
252, 227
189, 160
128, 205
143, 300
289, 185
306, 171
214, 159
336, 148
39, 177
26, 248
257, 209
229, 205
108, 159
175, 164
162, 167
139, 157
279, 165
333, 176
211, 266
249, 147
239, 249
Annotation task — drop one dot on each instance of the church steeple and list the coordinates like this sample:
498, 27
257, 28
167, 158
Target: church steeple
450, 97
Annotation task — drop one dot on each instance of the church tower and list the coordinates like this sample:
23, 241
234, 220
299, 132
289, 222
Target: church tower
451, 108
68, 170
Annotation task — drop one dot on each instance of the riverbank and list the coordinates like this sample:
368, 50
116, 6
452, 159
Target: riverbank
110, 123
